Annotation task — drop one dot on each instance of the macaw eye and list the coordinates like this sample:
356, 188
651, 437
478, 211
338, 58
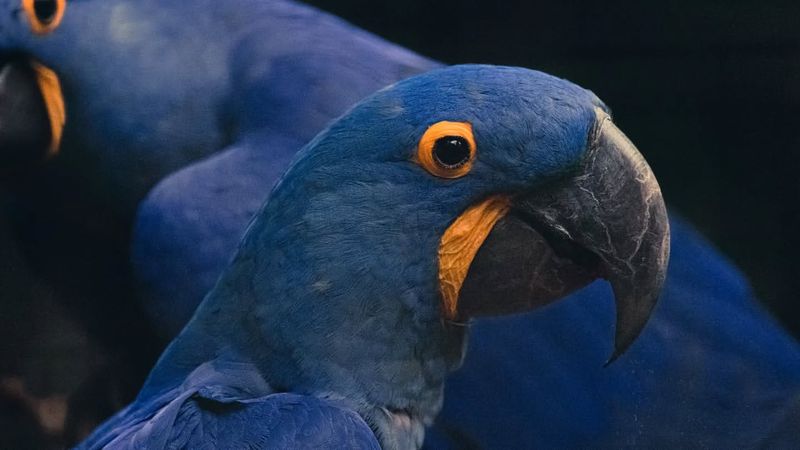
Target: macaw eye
451, 152
447, 149
44, 15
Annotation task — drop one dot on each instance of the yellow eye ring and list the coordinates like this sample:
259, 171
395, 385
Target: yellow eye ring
44, 16
447, 149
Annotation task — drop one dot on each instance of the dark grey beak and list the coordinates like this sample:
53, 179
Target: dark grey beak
607, 220
25, 131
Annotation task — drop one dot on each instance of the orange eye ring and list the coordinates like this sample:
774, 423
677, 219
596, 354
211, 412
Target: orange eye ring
44, 16
447, 149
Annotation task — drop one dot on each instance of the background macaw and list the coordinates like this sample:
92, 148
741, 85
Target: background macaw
67, 206
517, 176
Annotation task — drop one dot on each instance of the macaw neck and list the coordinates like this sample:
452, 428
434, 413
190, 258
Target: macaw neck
322, 303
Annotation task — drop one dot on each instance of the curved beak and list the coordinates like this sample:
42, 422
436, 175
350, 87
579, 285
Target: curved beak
606, 220
32, 113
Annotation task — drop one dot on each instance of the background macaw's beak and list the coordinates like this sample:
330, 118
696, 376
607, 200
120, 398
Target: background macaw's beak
31, 113
606, 220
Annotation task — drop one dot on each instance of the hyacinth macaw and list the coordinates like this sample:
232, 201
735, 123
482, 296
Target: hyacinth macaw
463, 192
124, 131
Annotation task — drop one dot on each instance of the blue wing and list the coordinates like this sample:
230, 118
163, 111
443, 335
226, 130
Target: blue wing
711, 370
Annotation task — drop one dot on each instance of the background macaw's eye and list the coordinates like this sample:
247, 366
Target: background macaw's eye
45, 10
44, 15
447, 149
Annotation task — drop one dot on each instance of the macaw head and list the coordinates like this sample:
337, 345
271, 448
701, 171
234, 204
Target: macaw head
124, 89
464, 192
31, 100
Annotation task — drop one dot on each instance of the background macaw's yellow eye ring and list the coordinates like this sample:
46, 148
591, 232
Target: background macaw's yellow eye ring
44, 15
447, 149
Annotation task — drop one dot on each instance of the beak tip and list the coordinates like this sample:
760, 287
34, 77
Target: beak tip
634, 308
622, 342
616, 354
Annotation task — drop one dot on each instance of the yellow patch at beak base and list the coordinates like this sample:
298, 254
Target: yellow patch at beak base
460, 243
50, 88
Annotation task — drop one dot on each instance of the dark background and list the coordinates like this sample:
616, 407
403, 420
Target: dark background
709, 91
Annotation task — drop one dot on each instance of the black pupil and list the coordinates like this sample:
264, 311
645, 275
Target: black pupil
451, 151
45, 9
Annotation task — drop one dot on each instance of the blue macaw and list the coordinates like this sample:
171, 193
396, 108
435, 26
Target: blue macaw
124, 131
463, 192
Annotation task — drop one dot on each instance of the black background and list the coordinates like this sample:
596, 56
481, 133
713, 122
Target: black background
709, 91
